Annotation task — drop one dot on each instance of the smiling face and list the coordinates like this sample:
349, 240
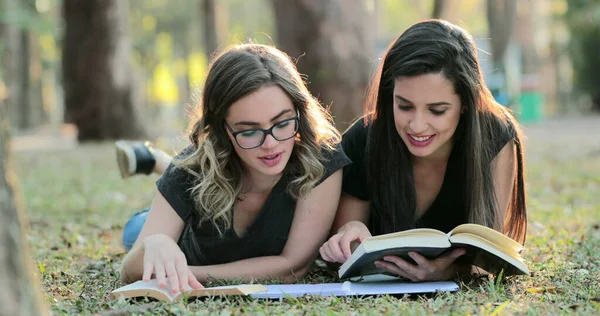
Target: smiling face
268, 107
426, 114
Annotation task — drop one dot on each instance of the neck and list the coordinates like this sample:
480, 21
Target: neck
259, 183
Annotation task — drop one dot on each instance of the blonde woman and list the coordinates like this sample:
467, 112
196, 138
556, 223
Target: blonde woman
251, 197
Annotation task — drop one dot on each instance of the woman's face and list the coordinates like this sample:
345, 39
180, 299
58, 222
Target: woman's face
426, 114
266, 108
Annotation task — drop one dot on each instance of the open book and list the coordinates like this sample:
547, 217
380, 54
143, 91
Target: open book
370, 285
486, 248
151, 289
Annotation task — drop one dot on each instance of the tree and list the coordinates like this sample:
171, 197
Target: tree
334, 44
439, 8
19, 294
583, 22
209, 21
501, 15
101, 91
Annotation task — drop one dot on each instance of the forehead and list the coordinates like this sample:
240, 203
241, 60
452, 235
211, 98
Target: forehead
428, 88
261, 105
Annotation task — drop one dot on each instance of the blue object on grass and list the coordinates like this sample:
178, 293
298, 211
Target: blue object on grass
133, 227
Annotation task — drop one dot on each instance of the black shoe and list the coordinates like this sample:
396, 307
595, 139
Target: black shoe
134, 158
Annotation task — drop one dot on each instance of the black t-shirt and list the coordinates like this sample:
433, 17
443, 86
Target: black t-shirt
449, 208
266, 236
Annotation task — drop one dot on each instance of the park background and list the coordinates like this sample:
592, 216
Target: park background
77, 75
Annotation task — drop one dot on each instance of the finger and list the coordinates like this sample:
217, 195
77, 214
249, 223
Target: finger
334, 250
172, 276
193, 282
345, 248
159, 271
364, 236
328, 253
324, 255
403, 265
148, 269
182, 271
394, 269
452, 256
420, 260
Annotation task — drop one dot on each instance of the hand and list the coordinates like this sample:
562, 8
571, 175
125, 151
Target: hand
164, 258
337, 248
441, 268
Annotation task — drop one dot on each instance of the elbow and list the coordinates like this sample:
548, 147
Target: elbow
295, 272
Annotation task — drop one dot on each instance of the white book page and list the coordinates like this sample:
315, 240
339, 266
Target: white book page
295, 290
397, 287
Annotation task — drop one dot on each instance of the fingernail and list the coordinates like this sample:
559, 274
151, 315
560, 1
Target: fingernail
411, 254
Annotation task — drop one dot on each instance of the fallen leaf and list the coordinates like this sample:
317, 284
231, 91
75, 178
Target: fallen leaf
542, 289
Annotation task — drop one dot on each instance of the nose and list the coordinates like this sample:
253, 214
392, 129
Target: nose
269, 142
418, 124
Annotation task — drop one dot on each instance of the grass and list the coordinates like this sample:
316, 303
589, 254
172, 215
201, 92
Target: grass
77, 205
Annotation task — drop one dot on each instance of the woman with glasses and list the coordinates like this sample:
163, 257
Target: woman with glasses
251, 197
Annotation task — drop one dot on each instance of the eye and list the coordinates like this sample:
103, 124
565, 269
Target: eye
248, 133
282, 124
402, 107
438, 112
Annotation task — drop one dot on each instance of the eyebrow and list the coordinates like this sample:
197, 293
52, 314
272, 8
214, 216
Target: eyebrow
400, 98
256, 124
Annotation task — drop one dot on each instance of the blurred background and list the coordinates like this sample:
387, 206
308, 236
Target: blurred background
111, 69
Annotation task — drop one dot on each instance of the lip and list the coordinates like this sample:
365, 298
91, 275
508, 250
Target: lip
272, 154
417, 143
271, 162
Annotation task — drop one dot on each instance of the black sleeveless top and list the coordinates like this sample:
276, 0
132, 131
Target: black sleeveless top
266, 236
448, 210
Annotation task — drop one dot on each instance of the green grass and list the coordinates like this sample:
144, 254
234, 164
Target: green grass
77, 205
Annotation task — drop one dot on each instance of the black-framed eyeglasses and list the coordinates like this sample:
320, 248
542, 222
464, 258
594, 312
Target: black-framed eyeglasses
255, 137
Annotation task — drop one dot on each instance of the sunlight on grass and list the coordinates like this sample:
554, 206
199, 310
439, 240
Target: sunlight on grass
78, 204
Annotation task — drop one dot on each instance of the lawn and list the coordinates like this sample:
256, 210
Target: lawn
77, 205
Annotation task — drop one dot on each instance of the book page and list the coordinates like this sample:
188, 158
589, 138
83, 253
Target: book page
144, 289
398, 287
296, 290
503, 242
499, 256
410, 232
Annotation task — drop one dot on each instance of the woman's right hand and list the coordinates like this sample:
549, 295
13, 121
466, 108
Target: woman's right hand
338, 247
164, 259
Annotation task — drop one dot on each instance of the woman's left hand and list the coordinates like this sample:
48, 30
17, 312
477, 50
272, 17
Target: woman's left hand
440, 268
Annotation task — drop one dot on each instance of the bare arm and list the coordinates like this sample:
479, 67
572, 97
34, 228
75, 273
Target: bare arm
350, 209
312, 220
162, 219
504, 179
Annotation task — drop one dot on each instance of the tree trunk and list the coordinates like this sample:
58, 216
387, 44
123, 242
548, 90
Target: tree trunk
209, 26
19, 294
334, 44
439, 9
501, 16
101, 91
11, 61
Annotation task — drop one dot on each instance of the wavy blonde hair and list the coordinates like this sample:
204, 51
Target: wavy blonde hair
218, 172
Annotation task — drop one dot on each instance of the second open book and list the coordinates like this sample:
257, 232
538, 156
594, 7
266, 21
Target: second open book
486, 248
371, 285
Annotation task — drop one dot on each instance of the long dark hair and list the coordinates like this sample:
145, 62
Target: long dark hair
437, 46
